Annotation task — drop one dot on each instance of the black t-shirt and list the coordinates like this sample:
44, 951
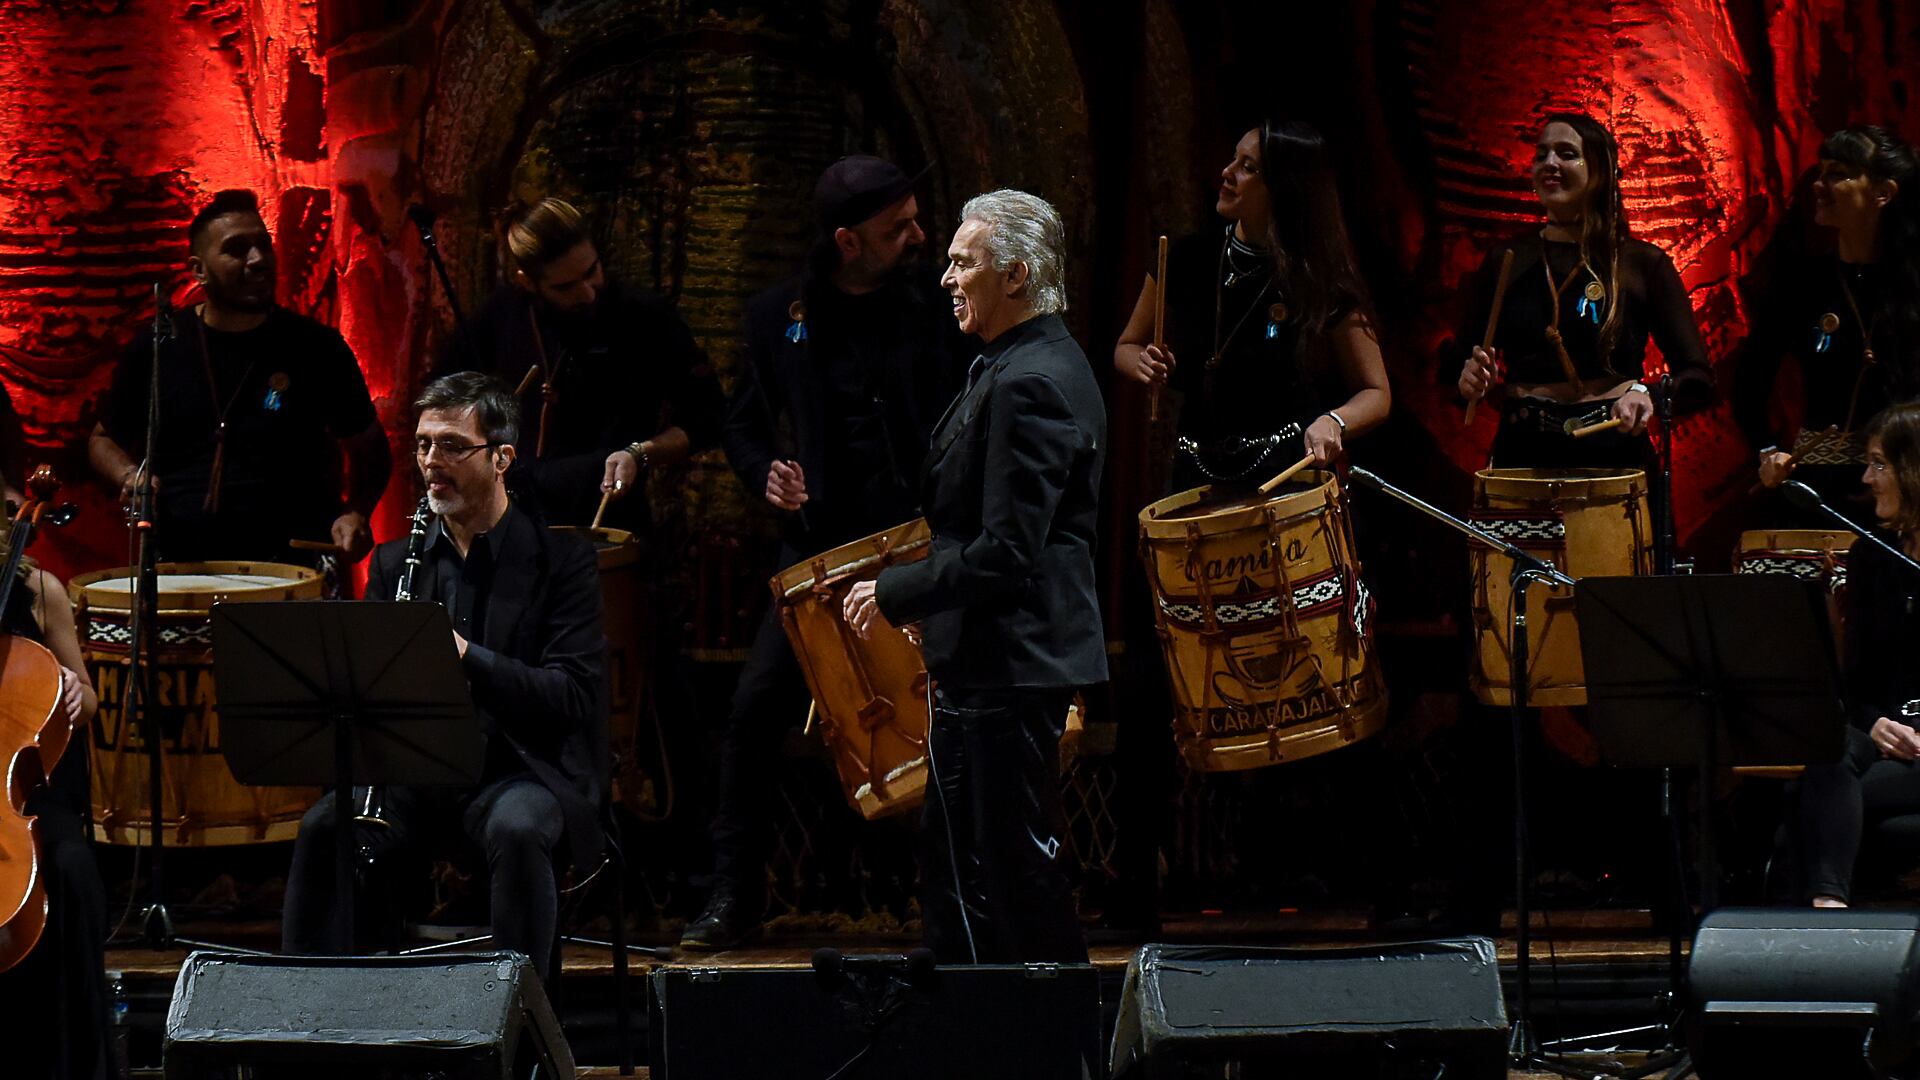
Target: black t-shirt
1266, 378
289, 389
621, 372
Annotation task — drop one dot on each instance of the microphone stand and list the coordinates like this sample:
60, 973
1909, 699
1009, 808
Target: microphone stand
423, 219
1806, 498
1522, 1047
137, 712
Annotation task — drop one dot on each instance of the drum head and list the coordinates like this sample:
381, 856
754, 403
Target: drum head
197, 585
1225, 510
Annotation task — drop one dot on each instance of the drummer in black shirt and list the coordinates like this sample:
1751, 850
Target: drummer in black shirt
258, 407
612, 383
1270, 342
1582, 293
860, 355
1848, 323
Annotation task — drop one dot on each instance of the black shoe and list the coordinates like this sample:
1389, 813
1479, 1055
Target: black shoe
728, 920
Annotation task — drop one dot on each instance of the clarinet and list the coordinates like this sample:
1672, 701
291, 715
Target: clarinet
373, 804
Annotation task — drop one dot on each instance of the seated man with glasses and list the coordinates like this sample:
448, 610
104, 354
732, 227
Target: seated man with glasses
525, 605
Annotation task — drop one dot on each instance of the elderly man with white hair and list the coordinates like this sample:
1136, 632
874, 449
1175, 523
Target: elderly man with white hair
1004, 603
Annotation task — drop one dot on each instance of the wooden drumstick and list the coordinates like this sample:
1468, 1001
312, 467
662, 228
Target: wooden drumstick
605, 498
526, 381
1159, 325
1285, 474
1595, 429
324, 547
1493, 321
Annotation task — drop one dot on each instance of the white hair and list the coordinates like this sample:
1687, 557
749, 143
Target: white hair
1023, 228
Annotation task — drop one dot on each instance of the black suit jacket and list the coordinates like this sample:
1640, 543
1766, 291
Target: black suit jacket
1005, 598
539, 672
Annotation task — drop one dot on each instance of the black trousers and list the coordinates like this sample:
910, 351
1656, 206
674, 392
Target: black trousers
1838, 803
770, 698
996, 886
515, 821
56, 1022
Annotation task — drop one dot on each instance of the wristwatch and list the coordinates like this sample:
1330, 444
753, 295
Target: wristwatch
1337, 418
1640, 386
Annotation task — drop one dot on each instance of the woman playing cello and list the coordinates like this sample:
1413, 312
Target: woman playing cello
56, 1021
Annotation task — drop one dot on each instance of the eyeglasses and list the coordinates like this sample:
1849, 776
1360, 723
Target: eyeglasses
449, 450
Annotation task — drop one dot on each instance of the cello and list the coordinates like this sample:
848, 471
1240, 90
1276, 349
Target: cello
33, 734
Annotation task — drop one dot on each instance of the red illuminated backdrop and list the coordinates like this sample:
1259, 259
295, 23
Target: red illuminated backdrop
118, 116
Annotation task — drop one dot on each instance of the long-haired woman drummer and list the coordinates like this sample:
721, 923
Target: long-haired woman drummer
1583, 295
56, 1025
1878, 778
1850, 321
1271, 338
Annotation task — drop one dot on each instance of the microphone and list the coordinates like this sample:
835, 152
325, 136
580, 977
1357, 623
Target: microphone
916, 966
421, 216
1805, 498
1366, 478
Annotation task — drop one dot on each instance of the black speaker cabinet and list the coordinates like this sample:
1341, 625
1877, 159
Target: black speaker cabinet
1421, 1009
951, 1023
1806, 992
371, 1018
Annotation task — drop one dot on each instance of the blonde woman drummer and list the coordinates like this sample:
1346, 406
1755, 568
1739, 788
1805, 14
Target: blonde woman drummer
1582, 299
1271, 340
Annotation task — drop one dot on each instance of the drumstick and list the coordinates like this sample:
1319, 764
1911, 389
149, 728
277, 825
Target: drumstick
1493, 320
324, 547
605, 497
1159, 325
1595, 429
1286, 474
526, 381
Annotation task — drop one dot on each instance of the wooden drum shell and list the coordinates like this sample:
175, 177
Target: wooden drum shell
201, 803
870, 697
1588, 523
1262, 617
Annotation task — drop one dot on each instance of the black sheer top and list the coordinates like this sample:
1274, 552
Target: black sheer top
1656, 307
1818, 317
1243, 368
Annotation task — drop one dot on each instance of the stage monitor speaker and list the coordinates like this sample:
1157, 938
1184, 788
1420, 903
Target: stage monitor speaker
1805, 992
473, 1016
896, 1017
1415, 1010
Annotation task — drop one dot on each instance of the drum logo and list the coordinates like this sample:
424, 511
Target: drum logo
183, 701
1309, 699
1244, 565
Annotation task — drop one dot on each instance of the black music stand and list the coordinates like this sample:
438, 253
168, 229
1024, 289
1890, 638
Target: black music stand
1701, 672
343, 692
